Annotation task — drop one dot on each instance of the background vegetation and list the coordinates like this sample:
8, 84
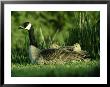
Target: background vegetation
61, 27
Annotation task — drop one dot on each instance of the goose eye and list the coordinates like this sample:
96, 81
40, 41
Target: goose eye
25, 24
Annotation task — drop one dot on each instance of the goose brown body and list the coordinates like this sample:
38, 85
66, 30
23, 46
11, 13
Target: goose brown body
64, 53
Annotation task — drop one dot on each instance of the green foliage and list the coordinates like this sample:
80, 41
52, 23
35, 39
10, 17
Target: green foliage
61, 27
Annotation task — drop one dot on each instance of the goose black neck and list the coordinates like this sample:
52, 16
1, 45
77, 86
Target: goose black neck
32, 37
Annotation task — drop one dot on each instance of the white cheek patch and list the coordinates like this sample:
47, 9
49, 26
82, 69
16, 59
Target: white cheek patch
28, 27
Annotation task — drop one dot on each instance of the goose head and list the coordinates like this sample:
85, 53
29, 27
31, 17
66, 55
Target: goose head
25, 25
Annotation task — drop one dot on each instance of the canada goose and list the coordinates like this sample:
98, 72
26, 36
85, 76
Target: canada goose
33, 50
55, 52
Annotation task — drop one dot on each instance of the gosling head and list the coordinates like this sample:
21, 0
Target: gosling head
54, 46
25, 25
77, 47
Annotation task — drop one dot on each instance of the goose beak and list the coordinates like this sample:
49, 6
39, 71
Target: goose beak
20, 27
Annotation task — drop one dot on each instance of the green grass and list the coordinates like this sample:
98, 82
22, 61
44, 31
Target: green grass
73, 69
